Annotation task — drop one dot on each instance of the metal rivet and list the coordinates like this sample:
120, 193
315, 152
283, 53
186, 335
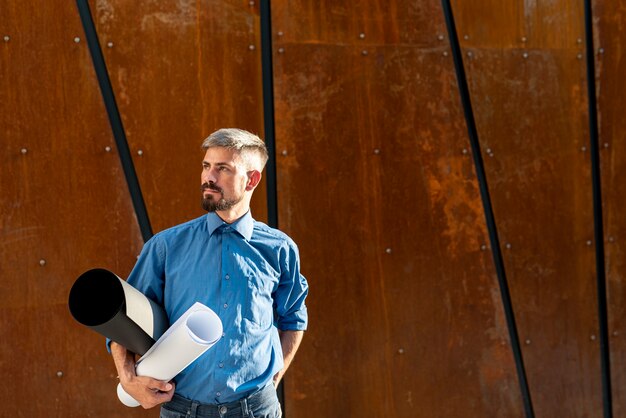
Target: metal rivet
445, 53
583, 148
579, 56
525, 55
362, 35
59, 373
388, 250
466, 37
527, 341
107, 149
615, 333
284, 152
508, 245
400, 350
376, 151
77, 39
7, 38
110, 44
524, 39
579, 40
611, 239
589, 242
140, 152
606, 145
281, 50
23, 150
364, 52
465, 151
280, 33
483, 247
42, 262
592, 337
251, 3
251, 47
440, 37
470, 54
601, 51
488, 150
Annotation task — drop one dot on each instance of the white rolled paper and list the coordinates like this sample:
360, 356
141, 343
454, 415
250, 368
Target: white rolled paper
197, 330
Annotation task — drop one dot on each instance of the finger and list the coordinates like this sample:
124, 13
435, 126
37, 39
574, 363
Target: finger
161, 397
156, 385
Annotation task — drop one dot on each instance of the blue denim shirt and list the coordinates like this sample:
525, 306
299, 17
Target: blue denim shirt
249, 274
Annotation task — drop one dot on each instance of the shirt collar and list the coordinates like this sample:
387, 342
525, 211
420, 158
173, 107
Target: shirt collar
243, 225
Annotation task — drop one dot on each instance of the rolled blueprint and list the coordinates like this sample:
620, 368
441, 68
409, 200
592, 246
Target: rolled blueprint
197, 330
107, 304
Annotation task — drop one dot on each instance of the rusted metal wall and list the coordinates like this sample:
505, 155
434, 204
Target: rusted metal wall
376, 183
64, 209
528, 86
406, 316
610, 29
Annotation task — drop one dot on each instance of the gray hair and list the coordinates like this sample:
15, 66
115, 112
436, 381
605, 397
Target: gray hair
250, 147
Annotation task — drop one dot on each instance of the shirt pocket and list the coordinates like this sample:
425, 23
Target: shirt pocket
259, 308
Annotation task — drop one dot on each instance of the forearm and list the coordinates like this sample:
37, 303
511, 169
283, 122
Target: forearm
289, 341
124, 362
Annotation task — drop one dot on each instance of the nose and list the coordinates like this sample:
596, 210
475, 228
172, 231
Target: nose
208, 176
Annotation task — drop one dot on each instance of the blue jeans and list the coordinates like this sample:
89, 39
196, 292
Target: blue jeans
262, 404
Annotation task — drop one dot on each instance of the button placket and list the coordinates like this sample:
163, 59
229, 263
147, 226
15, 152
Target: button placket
225, 285
227, 267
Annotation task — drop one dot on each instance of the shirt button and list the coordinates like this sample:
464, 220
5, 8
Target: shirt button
225, 305
221, 365
223, 334
227, 277
223, 410
218, 394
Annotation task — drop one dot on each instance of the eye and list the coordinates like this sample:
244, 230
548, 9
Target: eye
223, 168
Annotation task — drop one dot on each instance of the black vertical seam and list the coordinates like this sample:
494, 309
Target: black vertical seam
268, 111
114, 118
605, 354
270, 139
486, 200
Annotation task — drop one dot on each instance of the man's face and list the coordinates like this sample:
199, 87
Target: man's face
223, 179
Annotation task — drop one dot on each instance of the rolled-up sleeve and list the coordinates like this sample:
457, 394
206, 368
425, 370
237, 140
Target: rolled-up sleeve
289, 298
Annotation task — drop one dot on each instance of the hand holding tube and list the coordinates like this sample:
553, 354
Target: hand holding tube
188, 338
136, 390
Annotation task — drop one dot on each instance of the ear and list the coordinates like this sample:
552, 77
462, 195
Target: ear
254, 178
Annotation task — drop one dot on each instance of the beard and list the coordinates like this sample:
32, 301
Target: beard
211, 204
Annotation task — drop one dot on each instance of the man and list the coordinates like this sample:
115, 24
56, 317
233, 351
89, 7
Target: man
247, 272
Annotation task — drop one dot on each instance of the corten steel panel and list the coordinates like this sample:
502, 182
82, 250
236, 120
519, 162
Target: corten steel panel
531, 113
361, 21
373, 184
610, 67
181, 70
65, 208
521, 24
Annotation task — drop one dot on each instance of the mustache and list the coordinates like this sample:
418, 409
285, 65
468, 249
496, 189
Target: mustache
210, 186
